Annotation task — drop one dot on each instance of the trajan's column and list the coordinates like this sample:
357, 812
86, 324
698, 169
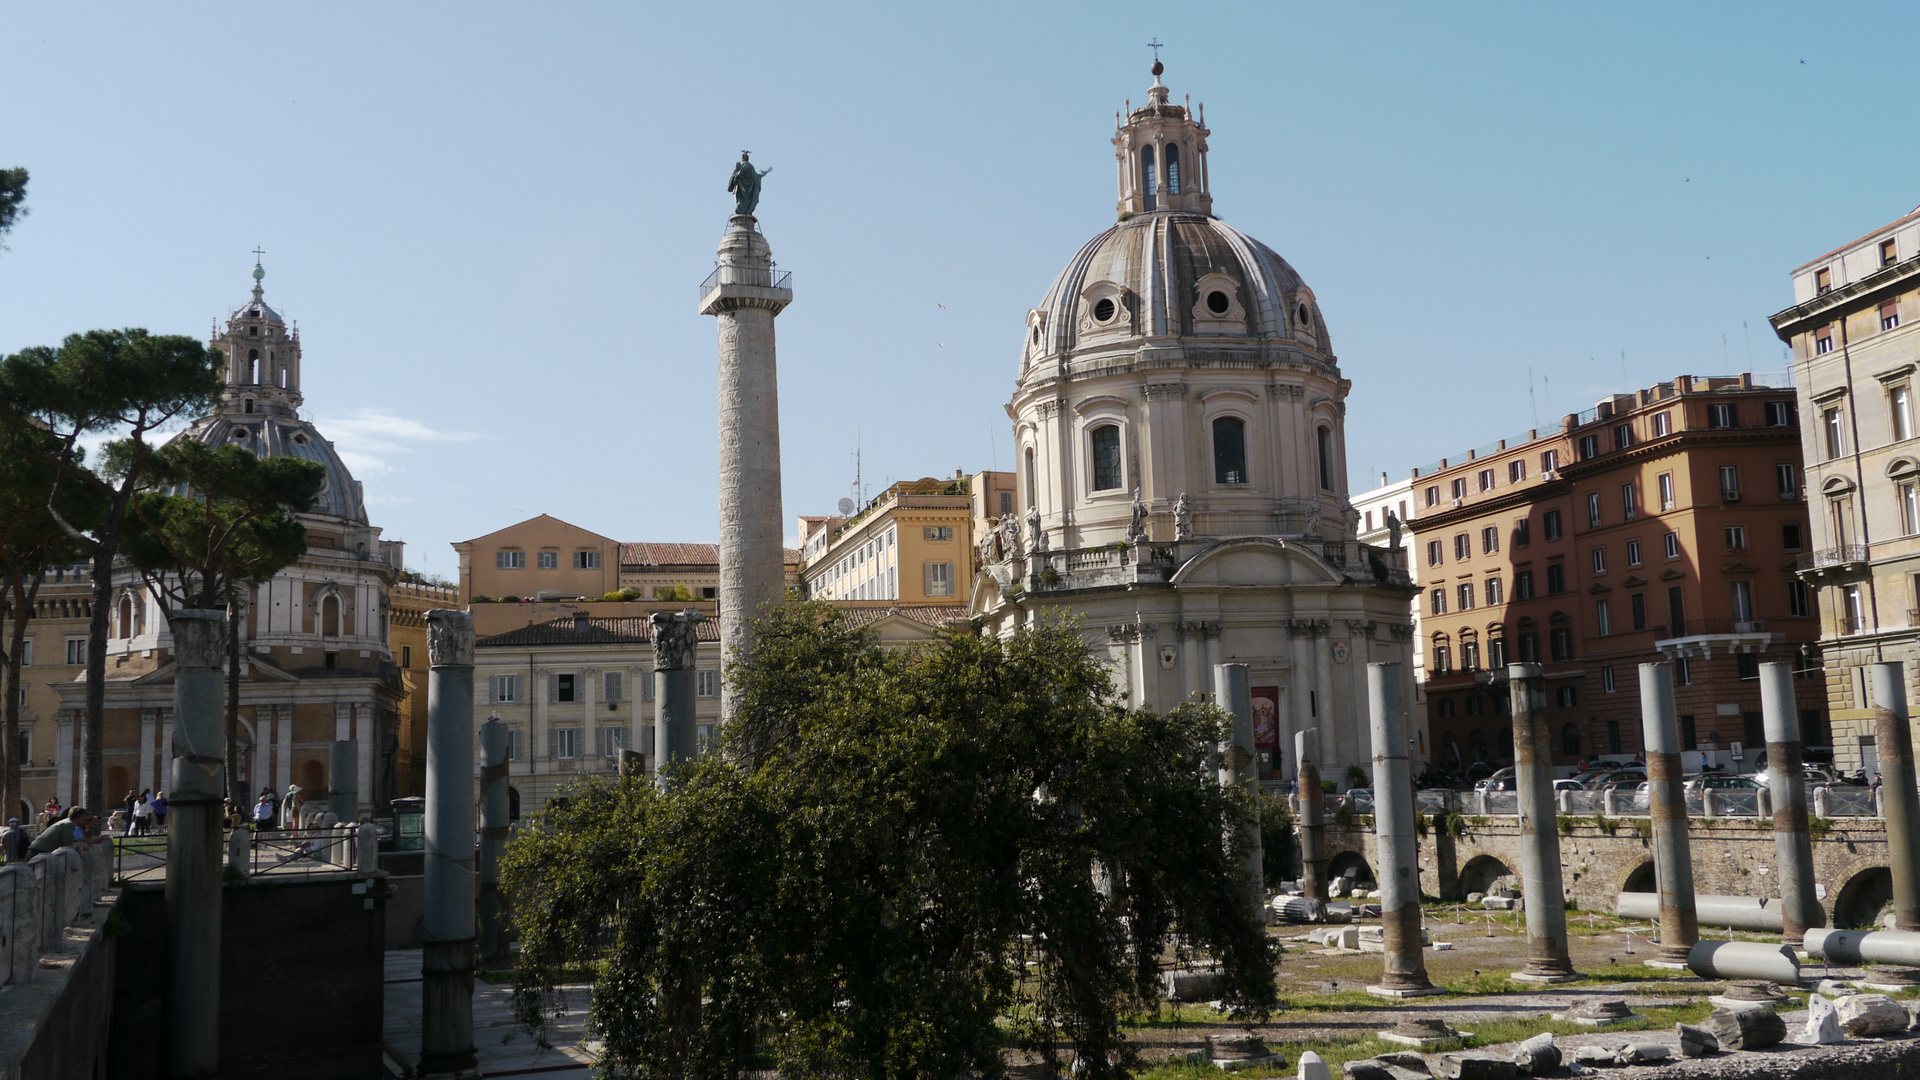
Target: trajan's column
745, 292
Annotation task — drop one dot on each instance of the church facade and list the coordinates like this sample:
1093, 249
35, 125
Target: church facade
319, 657
1180, 419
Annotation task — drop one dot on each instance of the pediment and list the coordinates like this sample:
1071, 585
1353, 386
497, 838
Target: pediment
1672, 575
1738, 567
1255, 561
1633, 581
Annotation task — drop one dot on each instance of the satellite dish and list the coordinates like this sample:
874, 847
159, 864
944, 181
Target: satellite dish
846, 507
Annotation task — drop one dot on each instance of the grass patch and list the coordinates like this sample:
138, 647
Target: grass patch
1487, 1032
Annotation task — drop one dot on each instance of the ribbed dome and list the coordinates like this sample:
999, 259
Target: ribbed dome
1174, 274
271, 435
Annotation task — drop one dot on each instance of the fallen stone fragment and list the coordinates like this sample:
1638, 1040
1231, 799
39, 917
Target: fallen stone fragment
1646, 1053
1404, 1059
1833, 988
1188, 985
1537, 1056
1694, 1042
1823, 1023
1749, 1027
1871, 1014
1470, 1067
1313, 1067
1245, 1052
1602, 1057
1368, 1069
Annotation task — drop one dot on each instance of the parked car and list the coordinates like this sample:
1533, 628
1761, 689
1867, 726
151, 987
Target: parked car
1720, 781
1568, 785
1502, 774
1615, 778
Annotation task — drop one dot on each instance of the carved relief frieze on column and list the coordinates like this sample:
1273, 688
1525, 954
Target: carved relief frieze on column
1046, 410
1309, 627
1401, 631
1360, 627
1197, 629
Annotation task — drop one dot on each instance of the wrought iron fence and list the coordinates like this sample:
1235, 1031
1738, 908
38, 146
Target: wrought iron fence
1850, 802
283, 852
761, 277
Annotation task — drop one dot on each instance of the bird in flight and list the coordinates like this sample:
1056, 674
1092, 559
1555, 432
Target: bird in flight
940, 305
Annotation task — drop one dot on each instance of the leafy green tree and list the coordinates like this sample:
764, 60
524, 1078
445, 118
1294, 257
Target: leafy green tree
222, 522
128, 384
13, 198
31, 543
899, 864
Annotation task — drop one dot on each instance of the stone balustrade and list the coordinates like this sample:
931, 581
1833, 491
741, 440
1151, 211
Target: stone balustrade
41, 898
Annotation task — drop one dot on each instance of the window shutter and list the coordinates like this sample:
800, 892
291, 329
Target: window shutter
553, 688
493, 690
614, 687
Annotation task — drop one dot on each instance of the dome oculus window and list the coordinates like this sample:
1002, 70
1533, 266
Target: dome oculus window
1106, 457
1305, 318
1229, 450
1218, 303
1103, 311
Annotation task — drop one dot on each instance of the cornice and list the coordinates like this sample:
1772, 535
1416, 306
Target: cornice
1846, 299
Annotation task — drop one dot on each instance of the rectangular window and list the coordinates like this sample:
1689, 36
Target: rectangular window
1683, 675
76, 652
1442, 659
1853, 613
1622, 436
1462, 547
1602, 618
1105, 441
1593, 510
1637, 607
1522, 533
1459, 487
1433, 495
612, 741
549, 560
1666, 491
1633, 553
1730, 483
1671, 544
1599, 560
1549, 460
615, 685
1486, 479
1742, 593
1888, 253
1689, 739
1736, 537
1606, 680
1589, 446
1435, 552
1822, 280
1437, 602
516, 747
1908, 496
586, 560
1529, 648
1833, 428
1496, 653
1799, 602
1516, 470
1790, 538
1900, 408
1493, 591
1006, 503
937, 532
1565, 697
1676, 612
1552, 522
1720, 414
26, 653
506, 689
1466, 595
563, 687
509, 560
1823, 341
1787, 479
1561, 639
1523, 585
1662, 424
1629, 502
1779, 414
1889, 314
1489, 540
706, 683
1556, 579
939, 579
1613, 736
565, 743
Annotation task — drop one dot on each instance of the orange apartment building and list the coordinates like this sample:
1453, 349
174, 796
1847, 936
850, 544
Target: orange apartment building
1663, 523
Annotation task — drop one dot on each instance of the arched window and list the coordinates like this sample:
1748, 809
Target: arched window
1146, 175
1570, 740
1229, 450
1173, 169
126, 616
1326, 457
1033, 495
253, 365
1469, 651
330, 617
1106, 457
1442, 655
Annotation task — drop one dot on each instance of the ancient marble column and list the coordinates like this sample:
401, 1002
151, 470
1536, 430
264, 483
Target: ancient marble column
1540, 880
1893, 737
1800, 909
746, 293
446, 917
1312, 811
495, 808
1667, 809
1398, 849
676, 643
1239, 768
343, 796
196, 790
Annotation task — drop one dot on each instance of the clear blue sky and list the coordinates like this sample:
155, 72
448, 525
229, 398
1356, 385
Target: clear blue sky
490, 220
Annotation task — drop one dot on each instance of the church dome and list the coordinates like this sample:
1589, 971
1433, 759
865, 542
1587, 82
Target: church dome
1175, 274
272, 435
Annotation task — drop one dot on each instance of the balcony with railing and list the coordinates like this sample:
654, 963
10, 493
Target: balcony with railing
1703, 637
1844, 557
759, 277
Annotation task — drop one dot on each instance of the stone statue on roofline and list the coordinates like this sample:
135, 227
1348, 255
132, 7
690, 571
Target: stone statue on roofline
745, 185
1137, 526
1010, 535
1182, 517
1035, 534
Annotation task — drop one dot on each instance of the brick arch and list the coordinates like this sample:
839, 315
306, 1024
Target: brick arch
1640, 879
1859, 901
1338, 865
1480, 871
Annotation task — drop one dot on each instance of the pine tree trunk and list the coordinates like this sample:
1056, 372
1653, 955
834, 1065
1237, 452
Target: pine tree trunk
93, 782
24, 595
236, 790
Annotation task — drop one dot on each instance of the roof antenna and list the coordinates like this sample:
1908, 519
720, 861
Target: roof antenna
1531, 404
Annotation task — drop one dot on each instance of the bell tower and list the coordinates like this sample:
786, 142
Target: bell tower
263, 357
1161, 152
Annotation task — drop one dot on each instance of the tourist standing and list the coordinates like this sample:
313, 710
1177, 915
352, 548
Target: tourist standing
142, 816
14, 841
263, 813
291, 806
159, 805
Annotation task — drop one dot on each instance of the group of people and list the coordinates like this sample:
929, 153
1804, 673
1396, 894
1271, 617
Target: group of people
76, 828
146, 812
265, 812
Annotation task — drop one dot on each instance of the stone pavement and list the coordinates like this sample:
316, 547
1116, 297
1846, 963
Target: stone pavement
504, 1049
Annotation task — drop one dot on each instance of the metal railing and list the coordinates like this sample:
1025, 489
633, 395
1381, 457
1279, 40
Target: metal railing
759, 277
1844, 555
286, 852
